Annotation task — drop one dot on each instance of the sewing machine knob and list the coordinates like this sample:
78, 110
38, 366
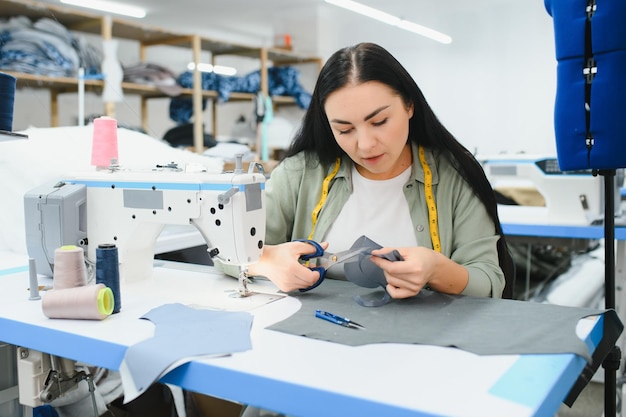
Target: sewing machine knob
225, 198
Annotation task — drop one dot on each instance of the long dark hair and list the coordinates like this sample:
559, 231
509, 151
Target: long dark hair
370, 62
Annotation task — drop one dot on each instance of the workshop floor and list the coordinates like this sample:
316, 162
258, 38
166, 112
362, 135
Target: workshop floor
590, 403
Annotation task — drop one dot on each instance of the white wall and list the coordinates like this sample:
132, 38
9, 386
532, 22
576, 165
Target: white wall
493, 87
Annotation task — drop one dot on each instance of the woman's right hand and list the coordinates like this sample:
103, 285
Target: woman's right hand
281, 265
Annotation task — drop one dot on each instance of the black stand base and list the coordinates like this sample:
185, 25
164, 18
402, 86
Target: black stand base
611, 365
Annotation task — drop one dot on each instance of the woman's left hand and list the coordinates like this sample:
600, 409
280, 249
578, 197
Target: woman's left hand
419, 268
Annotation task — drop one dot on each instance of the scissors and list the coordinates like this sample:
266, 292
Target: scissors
321, 261
342, 321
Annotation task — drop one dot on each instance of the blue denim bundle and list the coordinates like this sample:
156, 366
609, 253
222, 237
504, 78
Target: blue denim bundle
45, 48
282, 81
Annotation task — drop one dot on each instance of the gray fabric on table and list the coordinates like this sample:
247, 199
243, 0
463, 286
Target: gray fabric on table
483, 326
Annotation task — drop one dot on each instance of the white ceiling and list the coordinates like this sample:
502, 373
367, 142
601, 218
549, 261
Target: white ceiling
262, 19
242, 15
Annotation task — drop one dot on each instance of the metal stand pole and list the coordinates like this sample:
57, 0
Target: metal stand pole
612, 362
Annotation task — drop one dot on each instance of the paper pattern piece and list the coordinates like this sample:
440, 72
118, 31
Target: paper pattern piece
182, 333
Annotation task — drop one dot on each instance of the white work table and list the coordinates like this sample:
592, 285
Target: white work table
296, 375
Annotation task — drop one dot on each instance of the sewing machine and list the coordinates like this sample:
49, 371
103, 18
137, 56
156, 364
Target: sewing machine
129, 208
541, 193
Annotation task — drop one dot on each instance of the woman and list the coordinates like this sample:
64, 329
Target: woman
371, 158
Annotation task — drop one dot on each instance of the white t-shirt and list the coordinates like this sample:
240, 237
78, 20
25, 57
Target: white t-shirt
376, 209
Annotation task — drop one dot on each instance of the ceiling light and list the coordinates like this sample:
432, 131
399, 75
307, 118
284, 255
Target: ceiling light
218, 69
109, 7
391, 20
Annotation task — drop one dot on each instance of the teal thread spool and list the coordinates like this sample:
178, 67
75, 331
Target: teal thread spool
108, 272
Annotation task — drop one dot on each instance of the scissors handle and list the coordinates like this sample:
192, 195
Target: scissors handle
322, 272
319, 251
342, 321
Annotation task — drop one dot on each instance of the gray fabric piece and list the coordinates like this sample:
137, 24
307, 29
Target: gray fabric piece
484, 326
360, 270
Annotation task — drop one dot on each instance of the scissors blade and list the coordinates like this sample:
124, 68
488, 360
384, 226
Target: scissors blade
354, 325
327, 260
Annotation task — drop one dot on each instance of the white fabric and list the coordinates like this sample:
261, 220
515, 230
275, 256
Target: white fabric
50, 153
361, 214
229, 151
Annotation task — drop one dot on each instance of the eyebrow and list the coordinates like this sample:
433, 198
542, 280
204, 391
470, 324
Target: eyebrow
366, 118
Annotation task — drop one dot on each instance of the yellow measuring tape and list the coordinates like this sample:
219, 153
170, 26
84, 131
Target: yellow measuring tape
433, 222
320, 204
428, 191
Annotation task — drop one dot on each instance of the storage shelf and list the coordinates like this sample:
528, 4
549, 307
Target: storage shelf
146, 36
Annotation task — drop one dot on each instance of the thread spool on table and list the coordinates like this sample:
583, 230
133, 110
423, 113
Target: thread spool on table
89, 302
108, 273
69, 267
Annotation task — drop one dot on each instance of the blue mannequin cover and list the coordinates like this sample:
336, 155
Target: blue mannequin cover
606, 94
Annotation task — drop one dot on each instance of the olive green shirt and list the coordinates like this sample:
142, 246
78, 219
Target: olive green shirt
467, 233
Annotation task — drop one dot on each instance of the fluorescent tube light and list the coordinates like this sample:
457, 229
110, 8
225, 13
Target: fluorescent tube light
391, 20
109, 7
218, 69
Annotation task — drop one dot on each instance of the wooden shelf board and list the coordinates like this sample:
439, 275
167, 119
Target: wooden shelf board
69, 84
42, 81
283, 100
287, 57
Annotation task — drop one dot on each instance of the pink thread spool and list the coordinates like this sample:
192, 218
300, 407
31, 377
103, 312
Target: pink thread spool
91, 302
104, 142
69, 268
